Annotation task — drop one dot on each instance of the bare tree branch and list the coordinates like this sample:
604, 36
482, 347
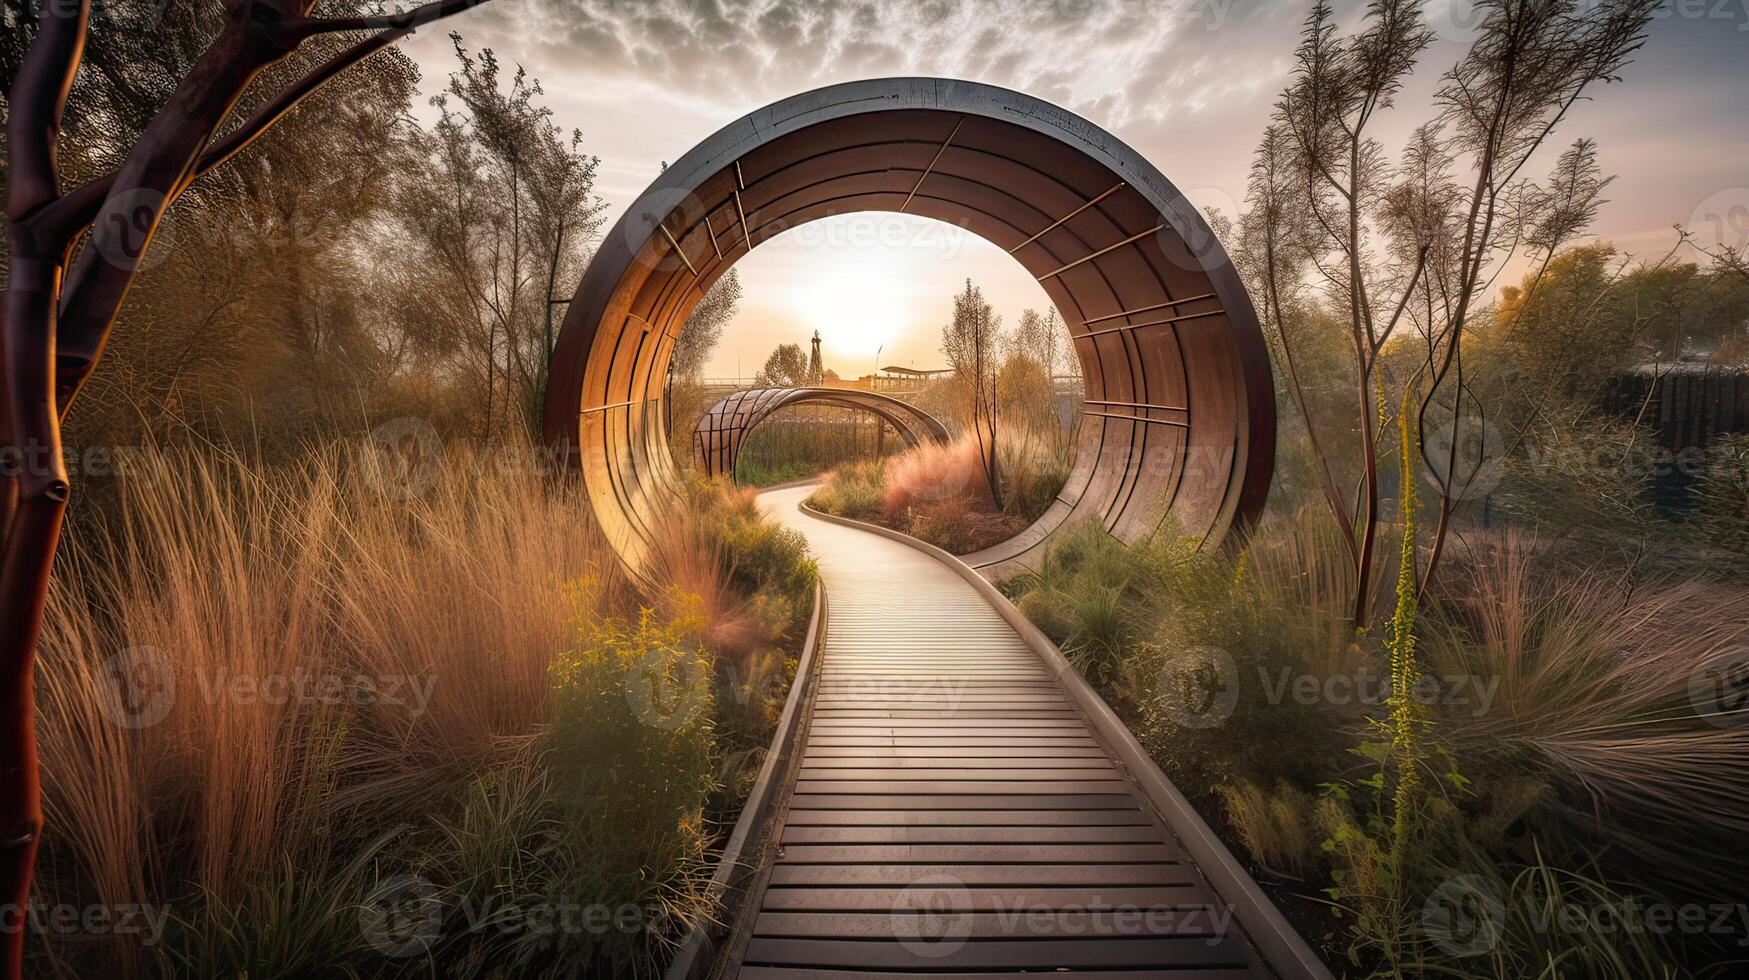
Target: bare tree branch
36, 101
81, 206
406, 21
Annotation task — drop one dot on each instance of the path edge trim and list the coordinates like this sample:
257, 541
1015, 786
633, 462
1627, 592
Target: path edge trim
1280, 944
743, 854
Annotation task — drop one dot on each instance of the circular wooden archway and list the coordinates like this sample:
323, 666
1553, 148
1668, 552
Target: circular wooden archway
1179, 424
724, 427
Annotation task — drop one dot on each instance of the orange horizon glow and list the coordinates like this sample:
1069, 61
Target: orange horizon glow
871, 283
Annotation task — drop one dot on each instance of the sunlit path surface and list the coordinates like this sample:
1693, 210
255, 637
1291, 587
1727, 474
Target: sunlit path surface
954, 812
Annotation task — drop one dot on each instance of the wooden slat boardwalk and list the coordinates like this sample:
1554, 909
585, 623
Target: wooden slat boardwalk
954, 812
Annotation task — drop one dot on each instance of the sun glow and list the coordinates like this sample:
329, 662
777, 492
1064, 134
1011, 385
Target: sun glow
871, 283
853, 305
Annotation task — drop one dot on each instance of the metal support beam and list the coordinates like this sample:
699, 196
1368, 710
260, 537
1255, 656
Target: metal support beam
1053, 226
931, 168
1138, 311
1153, 323
1175, 423
678, 250
1107, 249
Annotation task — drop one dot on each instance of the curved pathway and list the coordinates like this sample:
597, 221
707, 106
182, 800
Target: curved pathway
954, 812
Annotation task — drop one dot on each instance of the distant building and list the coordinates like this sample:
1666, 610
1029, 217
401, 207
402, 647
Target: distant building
891, 379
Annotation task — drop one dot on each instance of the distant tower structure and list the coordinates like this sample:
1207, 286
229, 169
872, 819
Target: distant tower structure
816, 370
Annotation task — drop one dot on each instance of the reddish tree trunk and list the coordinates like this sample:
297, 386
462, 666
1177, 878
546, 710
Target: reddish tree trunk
55, 325
39, 492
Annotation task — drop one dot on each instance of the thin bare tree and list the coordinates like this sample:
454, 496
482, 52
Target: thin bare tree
1401, 243
972, 342
73, 255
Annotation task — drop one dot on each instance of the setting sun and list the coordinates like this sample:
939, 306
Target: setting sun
851, 302
870, 282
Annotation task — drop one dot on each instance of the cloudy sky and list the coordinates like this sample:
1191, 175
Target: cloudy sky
1188, 83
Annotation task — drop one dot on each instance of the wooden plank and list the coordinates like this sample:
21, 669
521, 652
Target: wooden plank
937, 834
947, 728
962, 801
1015, 763
911, 694
977, 853
815, 973
982, 899
995, 753
954, 954
1045, 788
968, 818
806, 973
945, 711
982, 875
1022, 921
970, 773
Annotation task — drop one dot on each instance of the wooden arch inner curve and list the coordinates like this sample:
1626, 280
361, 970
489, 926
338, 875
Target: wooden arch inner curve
1179, 421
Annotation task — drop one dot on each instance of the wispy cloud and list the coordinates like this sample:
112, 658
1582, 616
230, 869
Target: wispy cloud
1127, 60
1188, 83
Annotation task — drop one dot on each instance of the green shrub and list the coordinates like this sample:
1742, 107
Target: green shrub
1087, 595
1033, 470
856, 491
293, 925
1722, 515
766, 557
631, 736
632, 768
1205, 650
1485, 920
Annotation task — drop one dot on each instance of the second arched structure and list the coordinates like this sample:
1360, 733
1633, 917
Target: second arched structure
725, 426
1178, 430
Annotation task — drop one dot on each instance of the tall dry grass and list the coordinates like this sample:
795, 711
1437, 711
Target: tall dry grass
935, 491
180, 759
1602, 695
927, 475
